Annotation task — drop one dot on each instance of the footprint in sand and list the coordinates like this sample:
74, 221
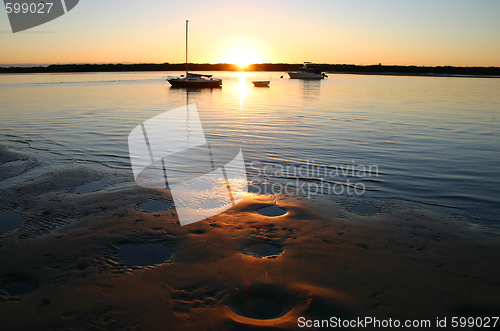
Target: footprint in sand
92, 187
198, 231
9, 220
143, 255
264, 250
263, 302
16, 285
153, 206
272, 211
363, 209
18, 288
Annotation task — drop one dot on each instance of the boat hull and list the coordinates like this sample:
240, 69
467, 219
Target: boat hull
261, 83
305, 75
213, 83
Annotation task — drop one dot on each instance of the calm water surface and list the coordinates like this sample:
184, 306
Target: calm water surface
434, 141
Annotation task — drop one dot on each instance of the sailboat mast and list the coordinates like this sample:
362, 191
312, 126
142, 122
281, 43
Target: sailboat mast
187, 47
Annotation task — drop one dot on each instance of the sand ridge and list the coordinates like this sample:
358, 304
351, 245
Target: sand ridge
60, 270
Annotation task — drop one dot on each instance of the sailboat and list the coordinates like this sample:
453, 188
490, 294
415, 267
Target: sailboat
190, 80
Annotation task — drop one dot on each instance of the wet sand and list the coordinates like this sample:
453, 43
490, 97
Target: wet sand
260, 265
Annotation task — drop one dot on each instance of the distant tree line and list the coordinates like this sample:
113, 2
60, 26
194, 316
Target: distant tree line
55, 68
415, 70
334, 68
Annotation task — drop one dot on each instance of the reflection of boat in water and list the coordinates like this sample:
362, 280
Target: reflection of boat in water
194, 80
311, 89
308, 71
171, 151
261, 83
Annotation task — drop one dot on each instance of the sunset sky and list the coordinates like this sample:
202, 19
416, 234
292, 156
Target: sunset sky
411, 32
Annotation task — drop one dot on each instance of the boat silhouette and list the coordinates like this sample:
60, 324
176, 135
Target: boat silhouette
191, 80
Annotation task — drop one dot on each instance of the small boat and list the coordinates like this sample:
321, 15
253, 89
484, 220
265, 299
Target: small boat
261, 83
190, 80
308, 71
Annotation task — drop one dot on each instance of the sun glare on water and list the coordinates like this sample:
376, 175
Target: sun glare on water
242, 57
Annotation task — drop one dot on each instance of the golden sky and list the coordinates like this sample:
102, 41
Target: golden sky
451, 32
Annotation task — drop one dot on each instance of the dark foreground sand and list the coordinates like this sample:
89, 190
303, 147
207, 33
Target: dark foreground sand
60, 269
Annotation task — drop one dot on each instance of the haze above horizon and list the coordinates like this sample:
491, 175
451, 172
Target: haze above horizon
423, 33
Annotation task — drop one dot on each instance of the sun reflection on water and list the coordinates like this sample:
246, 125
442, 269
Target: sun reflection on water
242, 86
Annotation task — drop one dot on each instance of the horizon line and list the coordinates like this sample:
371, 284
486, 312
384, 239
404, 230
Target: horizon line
46, 65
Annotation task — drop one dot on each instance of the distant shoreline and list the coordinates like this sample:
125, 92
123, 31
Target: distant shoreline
411, 74
439, 71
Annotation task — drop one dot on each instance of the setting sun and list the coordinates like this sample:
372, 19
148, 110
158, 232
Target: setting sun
242, 57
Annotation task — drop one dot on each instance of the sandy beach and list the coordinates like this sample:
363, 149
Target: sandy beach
263, 165
61, 268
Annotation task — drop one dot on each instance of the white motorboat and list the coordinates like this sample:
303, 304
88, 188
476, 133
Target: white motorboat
308, 71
